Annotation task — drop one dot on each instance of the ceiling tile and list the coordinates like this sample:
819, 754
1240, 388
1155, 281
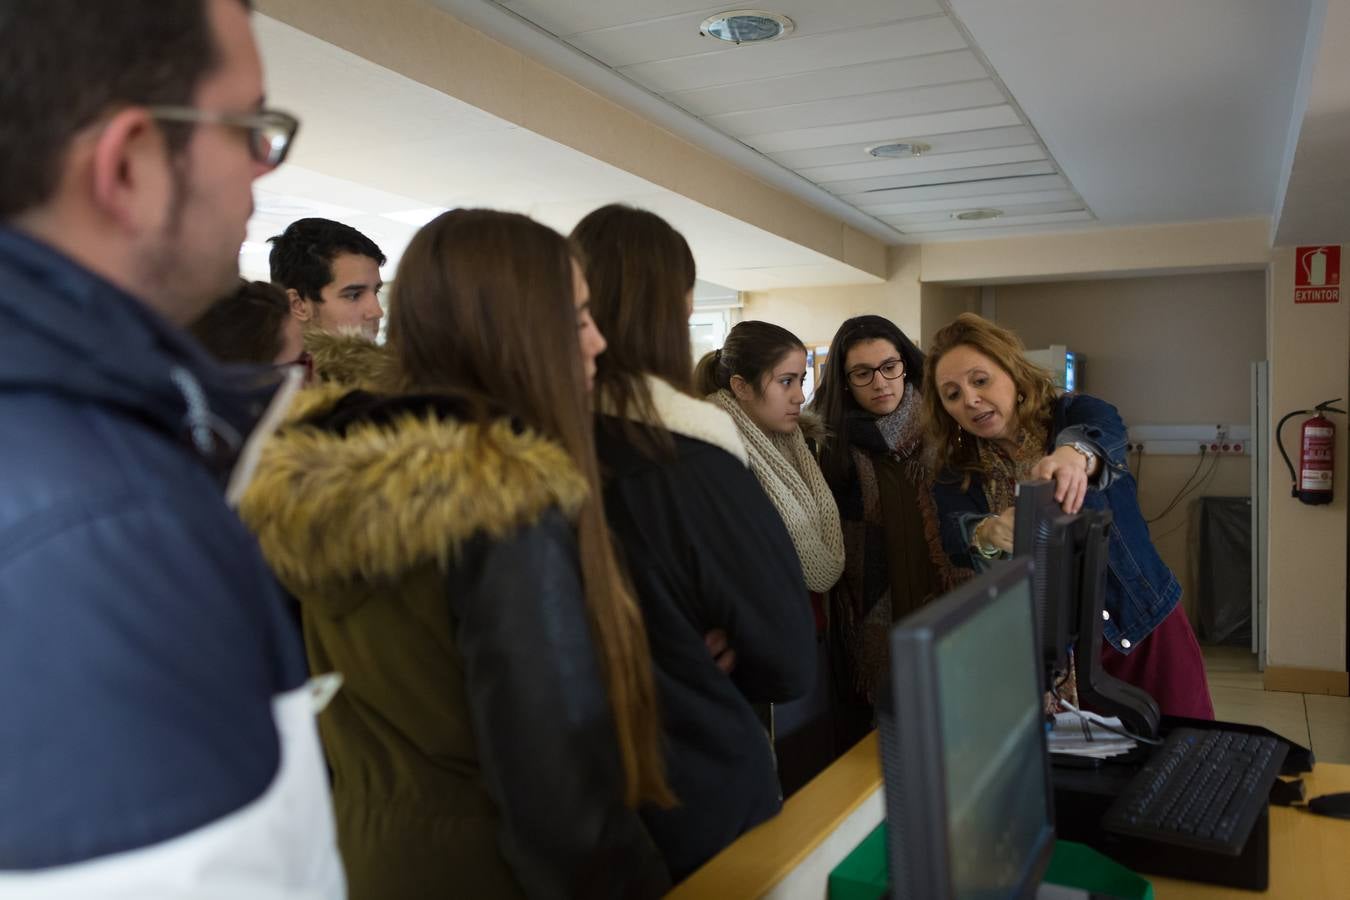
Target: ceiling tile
929, 162
953, 142
677, 35
1010, 212
845, 81
886, 210
889, 184
1003, 222
994, 184
796, 55
884, 130
564, 19
862, 108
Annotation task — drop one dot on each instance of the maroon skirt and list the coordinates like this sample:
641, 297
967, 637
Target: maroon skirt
1167, 664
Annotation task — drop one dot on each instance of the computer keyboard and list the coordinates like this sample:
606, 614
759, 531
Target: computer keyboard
1201, 789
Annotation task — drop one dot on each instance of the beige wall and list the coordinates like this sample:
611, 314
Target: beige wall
940, 304
1091, 253
1166, 351
1309, 346
814, 314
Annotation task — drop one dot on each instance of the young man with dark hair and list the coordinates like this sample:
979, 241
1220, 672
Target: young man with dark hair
331, 275
151, 686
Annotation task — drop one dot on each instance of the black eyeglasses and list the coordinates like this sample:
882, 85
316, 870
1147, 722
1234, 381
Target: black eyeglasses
862, 376
270, 131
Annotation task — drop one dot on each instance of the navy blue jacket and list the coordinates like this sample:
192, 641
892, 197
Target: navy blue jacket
1140, 590
142, 638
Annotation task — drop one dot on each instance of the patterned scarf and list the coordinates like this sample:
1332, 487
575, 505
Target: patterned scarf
791, 477
861, 605
1001, 471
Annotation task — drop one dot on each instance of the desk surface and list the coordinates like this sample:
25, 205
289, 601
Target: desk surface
1309, 855
764, 856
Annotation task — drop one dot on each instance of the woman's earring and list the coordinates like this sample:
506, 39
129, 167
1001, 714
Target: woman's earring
1021, 397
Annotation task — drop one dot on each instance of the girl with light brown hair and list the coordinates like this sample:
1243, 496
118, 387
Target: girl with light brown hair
445, 537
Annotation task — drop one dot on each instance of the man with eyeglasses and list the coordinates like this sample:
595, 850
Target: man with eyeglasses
151, 685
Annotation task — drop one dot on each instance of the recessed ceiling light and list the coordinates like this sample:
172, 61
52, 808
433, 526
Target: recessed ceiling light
899, 149
975, 215
746, 26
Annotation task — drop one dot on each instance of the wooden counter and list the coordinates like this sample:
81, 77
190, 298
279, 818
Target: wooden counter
791, 856
1309, 855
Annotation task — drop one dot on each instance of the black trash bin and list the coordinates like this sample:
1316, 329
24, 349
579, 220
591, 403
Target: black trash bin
1224, 582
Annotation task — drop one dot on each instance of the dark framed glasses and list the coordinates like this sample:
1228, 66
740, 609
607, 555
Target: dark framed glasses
862, 376
270, 131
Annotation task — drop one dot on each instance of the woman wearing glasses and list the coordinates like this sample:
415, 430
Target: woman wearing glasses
869, 400
497, 726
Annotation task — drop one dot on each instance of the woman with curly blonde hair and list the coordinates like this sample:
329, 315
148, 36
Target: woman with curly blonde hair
995, 419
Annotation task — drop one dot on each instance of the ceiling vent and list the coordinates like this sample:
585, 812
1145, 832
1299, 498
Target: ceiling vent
746, 26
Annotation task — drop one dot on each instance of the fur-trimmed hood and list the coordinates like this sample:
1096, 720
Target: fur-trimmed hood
352, 359
361, 489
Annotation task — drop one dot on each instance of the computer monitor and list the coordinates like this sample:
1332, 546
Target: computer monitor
1051, 538
968, 802
1071, 554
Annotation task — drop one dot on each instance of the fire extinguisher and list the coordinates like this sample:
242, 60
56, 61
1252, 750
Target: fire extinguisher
1312, 483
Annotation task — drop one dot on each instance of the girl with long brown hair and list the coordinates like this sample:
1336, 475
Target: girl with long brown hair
707, 551
445, 537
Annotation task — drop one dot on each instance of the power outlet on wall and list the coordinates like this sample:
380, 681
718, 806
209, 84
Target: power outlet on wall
1190, 440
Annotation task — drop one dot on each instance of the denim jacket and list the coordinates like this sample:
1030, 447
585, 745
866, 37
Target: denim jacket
1140, 590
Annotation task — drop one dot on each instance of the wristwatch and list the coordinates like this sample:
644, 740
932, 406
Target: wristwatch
1088, 453
987, 551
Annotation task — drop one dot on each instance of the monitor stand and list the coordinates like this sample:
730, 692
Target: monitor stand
1098, 691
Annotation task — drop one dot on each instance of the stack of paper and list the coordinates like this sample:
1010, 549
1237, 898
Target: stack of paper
1076, 736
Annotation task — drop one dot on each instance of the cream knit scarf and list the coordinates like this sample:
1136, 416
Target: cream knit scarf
792, 479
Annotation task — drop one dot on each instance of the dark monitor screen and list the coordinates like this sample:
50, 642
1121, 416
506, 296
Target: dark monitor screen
968, 800
1051, 538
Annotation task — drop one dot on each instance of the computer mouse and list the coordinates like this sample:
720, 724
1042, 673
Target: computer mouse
1334, 805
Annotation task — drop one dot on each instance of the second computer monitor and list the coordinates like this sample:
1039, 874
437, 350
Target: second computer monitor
968, 802
1045, 534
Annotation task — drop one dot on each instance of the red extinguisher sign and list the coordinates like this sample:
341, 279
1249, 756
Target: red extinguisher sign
1317, 274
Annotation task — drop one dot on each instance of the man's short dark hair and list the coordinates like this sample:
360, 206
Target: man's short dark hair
66, 63
302, 255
